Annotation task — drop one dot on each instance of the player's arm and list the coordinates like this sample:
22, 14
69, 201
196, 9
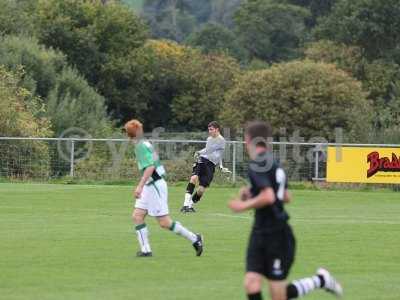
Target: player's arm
264, 198
202, 151
206, 149
145, 157
223, 169
146, 175
287, 196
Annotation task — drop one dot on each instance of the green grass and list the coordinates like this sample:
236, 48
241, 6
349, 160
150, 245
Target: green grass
76, 242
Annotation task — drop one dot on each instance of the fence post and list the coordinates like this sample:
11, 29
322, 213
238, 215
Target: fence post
234, 163
72, 157
316, 166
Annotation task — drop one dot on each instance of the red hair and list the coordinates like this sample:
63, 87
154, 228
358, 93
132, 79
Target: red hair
132, 127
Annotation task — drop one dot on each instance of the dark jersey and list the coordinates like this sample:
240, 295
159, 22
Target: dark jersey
265, 172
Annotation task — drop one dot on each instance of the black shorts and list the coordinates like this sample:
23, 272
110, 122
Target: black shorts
271, 254
204, 169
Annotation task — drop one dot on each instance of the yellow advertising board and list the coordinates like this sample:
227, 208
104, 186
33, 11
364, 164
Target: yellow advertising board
363, 165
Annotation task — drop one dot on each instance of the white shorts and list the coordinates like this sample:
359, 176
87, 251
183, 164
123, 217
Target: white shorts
154, 199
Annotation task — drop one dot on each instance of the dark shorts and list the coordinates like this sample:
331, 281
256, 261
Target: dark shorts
271, 254
205, 171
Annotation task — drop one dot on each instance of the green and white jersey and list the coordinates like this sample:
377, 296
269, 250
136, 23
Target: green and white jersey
146, 156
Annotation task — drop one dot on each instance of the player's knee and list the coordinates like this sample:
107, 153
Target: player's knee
164, 223
252, 283
137, 218
193, 179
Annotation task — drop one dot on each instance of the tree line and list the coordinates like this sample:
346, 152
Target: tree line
308, 65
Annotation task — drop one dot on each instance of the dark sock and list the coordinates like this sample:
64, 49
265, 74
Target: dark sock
190, 188
256, 296
291, 291
322, 281
196, 197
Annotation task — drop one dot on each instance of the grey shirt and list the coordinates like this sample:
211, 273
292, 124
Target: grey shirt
214, 149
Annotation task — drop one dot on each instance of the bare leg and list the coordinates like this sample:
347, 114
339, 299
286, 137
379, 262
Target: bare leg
253, 285
142, 232
277, 289
199, 193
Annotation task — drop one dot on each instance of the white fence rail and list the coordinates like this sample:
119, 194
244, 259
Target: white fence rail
112, 159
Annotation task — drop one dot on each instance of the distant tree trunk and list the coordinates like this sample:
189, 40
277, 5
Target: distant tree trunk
174, 13
217, 7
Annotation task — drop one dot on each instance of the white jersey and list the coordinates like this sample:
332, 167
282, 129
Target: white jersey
214, 150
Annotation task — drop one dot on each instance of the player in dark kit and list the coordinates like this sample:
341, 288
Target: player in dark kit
271, 248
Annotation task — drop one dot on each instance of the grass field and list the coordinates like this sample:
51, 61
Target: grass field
76, 242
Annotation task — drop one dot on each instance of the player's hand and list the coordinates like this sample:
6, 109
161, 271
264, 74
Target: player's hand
237, 205
138, 192
225, 170
196, 155
244, 193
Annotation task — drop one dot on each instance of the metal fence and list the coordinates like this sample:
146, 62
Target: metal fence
43, 159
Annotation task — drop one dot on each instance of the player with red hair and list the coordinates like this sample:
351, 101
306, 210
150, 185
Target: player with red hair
151, 194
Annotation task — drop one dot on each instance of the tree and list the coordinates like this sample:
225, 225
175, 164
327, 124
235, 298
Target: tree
380, 78
143, 83
372, 25
271, 31
347, 58
174, 19
89, 32
177, 19
41, 65
222, 12
17, 17
68, 98
206, 79
314, 98
165, 84
215, 38
21, 115
73, 103
318, 8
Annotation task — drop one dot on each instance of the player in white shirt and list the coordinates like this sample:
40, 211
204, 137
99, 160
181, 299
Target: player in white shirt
204, 168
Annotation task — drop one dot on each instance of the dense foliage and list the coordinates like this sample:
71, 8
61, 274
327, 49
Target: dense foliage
180, 63
21, 114
271, 31
69, 100
304, 96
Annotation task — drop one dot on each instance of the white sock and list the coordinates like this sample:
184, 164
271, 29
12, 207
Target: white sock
182, 231
306, 285
143, 238
188, 200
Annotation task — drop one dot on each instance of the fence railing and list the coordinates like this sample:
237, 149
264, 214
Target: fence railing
112, 159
